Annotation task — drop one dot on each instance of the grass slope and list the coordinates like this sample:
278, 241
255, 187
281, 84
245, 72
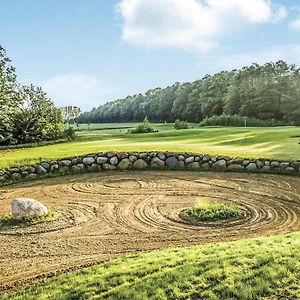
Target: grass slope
277, 143
264, 268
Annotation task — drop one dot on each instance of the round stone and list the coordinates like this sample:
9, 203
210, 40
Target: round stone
27, 208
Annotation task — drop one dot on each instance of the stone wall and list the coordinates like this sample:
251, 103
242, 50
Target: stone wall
149, 160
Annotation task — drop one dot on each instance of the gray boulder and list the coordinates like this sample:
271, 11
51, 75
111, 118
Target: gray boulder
65, 162
45, 165
27, 208
251, 167
132, 158
219, 165
124, 164
108, 167
114, 161
157, 163
235, 167
140, 164
194, 166
16, 176
40, 169
161, 156
88, 160
189, 159
172, 162
101, 160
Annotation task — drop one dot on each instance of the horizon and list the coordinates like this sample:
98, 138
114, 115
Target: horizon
91, 54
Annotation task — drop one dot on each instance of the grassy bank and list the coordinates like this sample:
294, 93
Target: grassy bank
265, 268
276, 143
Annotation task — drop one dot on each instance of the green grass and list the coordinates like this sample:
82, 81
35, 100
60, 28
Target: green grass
264, 268
9, 221
273, 143
207, 211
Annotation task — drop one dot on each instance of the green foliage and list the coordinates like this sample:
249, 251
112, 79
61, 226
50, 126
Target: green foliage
264, 92
205, 211
26, 114
240, 121
10, 221
181, 124
70, 133
264, 268
145, 127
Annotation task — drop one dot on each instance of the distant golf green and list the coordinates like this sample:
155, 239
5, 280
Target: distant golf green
276, 142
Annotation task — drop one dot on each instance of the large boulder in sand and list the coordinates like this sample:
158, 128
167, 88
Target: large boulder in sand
27, 208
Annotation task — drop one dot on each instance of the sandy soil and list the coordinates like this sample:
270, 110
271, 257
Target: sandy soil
106, 215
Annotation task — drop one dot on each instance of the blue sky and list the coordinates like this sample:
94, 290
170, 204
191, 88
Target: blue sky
89, 52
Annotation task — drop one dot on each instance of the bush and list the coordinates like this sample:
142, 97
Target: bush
70, 133
240, 121
145, 127
181, 124
214, 211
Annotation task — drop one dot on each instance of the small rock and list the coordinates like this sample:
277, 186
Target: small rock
235, 167
110, 154
65, 162
259, 164
40, 169
88, 160
161, 156
132, 158
124, 164
157, 163
284, 165
181, 164
251, 167
275, 164
172, 162
26, 207
54, 167
16, 176
205, 166
219, 165
114, 161
266, 168
194, 166
140, 164
206, 158
101, 160
108, 167
245, 162
189, 159
45, 165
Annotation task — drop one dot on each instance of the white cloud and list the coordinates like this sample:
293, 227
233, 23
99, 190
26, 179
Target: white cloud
289, 53
191, 24
295, 25
83, 90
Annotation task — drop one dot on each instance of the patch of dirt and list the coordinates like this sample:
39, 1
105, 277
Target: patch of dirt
106, 215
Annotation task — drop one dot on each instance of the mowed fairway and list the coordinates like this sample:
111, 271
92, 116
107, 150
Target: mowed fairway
278, 143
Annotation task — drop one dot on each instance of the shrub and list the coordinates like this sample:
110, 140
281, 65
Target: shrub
214, 211
145, 127
70, 133
181, 124
240, 121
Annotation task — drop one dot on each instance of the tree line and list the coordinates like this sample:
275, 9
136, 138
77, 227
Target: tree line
27, 115
264, 92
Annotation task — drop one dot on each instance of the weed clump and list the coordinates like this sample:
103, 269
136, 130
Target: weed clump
205, 211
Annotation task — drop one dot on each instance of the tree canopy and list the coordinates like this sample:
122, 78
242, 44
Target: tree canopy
26, 113
269, 91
